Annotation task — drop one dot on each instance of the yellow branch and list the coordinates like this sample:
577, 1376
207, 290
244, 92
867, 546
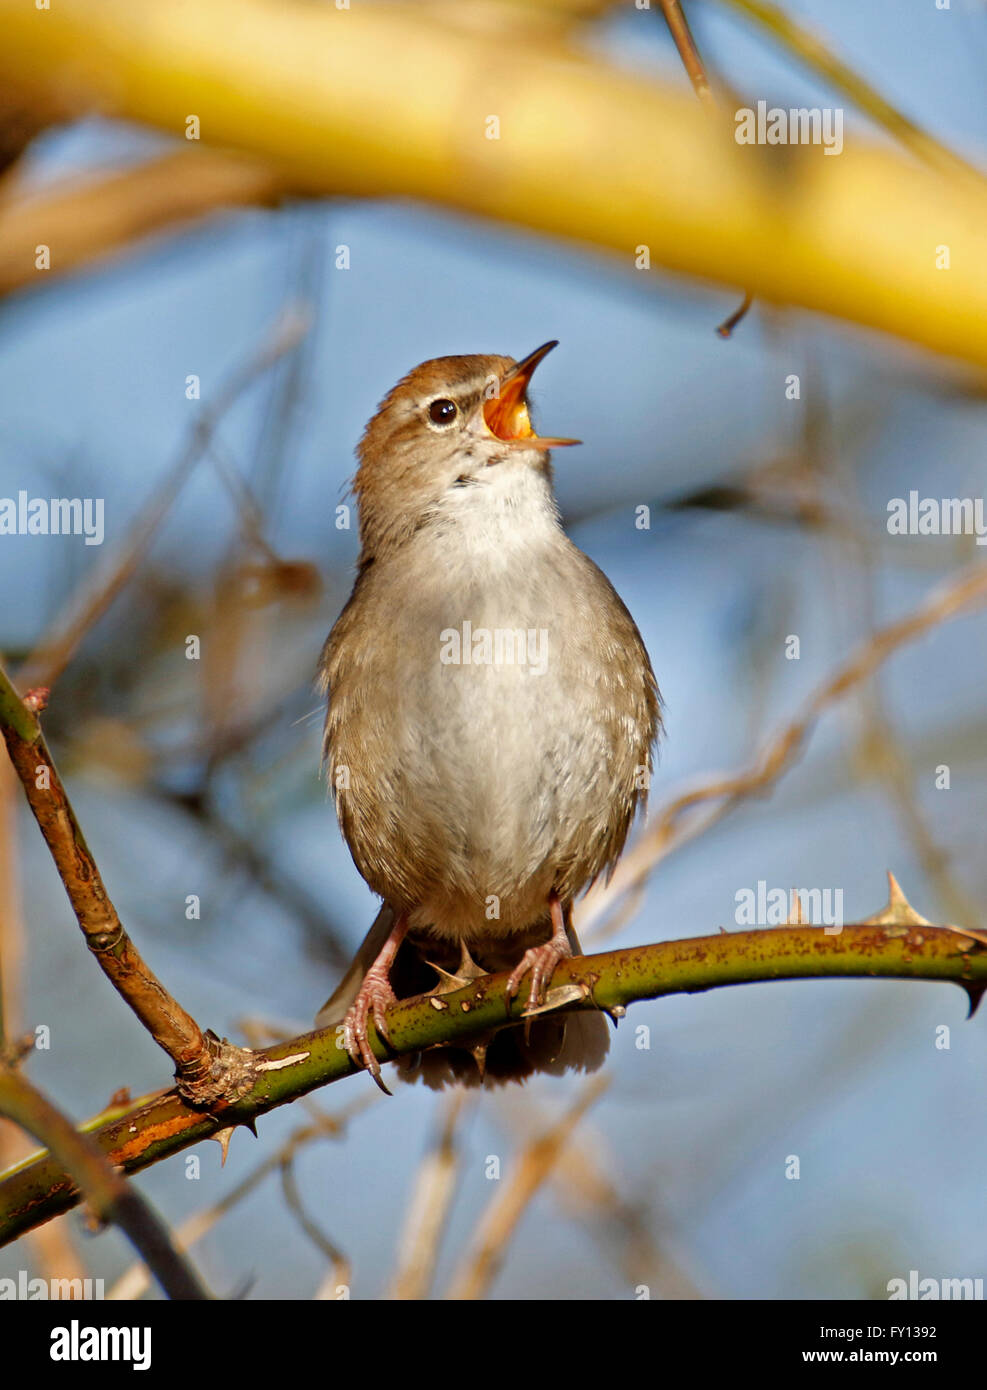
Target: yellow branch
381, 100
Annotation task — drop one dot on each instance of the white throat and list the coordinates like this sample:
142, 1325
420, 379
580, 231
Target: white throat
509, 508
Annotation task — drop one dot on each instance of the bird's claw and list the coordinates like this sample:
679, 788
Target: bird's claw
540, 963
373, 1000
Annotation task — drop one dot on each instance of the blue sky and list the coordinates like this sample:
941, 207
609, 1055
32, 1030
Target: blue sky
696, 1130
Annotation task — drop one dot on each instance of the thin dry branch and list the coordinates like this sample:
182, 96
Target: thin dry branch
588, 1186
426, 1218
11, 920
817, 55
340, 1271
133, 1283
696, 811
482, 1261
86, 222
110, 1197
58, 645
681, 33
696, 69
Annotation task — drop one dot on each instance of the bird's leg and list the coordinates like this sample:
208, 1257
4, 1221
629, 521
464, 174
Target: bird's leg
542, 960
374, 996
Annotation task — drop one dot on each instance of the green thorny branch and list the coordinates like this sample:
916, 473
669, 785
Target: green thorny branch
221, 1086
894, 944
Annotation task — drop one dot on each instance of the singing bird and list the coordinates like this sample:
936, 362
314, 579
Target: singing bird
492, 714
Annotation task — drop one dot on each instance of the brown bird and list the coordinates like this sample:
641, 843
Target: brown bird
491, 717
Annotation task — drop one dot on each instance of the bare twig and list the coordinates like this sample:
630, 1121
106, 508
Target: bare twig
86, 222
482, 1261
682, 35
133, 1282
428, 1209
340, 1271
679, 27
589, 1187
11, 923
696, 811
821, 59
59, 644
111, 1198
725, 329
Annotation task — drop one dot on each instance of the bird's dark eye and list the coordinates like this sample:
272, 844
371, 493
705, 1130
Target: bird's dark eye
442, 412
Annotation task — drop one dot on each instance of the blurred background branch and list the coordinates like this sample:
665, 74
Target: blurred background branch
379, 101
696, 811
110, 1196
90, 220
810, 49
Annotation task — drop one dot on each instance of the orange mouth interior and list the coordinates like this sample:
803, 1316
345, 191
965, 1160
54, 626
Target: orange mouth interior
506, 415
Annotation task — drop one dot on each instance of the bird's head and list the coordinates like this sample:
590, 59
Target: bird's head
452, 424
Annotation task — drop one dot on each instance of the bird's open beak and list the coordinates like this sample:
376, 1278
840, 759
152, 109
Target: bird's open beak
506, 415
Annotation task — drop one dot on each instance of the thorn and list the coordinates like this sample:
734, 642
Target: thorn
119, 1098
557, 997
899, 911
479, 1051
251, 1125
468, 972
222, 1138
795, 918
467, 965
616, 1014
449, 981
975, 991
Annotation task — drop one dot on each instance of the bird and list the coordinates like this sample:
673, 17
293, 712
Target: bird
491, 720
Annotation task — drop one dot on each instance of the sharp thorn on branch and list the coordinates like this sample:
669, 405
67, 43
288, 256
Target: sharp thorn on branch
975, 992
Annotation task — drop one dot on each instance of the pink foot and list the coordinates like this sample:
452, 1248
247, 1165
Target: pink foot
373, 999
540, 961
